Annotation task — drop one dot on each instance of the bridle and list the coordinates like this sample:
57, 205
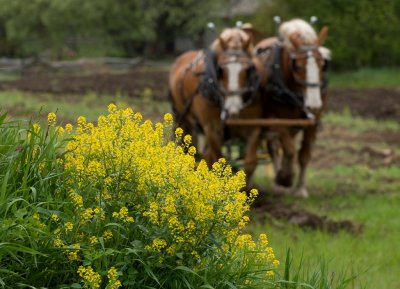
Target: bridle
304, 52
210, 85
233, 56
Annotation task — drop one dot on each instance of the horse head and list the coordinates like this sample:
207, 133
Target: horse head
307, 60
234, 70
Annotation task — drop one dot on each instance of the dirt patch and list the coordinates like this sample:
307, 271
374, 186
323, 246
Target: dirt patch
132, 83
291, 213
337, 145
380, 103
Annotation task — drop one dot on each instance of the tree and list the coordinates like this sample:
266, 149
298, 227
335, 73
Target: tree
105, 26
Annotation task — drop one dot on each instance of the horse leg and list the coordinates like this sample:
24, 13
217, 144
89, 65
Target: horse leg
286, 172
273, 147
250, 160
304, 156
213, 135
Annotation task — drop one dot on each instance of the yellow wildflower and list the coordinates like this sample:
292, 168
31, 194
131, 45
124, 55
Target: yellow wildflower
69, 127
192, 151
51, 118
36, 128
93, 240
112, 273
187, 140
89, 276
81, 121
112, 108
178, 132
107, 235
168, 118
69, 226
55, 218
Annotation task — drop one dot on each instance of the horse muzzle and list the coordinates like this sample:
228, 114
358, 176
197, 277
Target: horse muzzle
233, 105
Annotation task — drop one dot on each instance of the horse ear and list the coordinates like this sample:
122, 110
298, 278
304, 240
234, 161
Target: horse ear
323, 33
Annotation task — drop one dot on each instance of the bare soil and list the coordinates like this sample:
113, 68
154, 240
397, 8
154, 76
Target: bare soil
131, 83
380, 103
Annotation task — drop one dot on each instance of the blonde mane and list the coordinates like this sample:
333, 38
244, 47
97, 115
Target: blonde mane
299, 26
233, 38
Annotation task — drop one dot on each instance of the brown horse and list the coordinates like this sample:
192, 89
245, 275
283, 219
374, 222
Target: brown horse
207, 87
293, 72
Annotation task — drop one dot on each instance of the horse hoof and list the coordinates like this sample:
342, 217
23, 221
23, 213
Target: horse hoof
284, 180
301, 193
280, 190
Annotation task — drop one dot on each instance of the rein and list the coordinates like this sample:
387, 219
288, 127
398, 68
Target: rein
214, 92
276, 85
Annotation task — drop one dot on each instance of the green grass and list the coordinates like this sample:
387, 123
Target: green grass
348, 188
366, 78
371, 255
359, 124
70, 107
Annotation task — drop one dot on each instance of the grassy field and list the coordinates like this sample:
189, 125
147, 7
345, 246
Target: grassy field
353, 176
366, 78
349, 185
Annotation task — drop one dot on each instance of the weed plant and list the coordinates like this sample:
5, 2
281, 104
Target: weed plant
122, 204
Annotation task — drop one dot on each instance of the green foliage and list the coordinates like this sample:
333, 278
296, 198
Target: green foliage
69, 220
103, 26
362, 33
29, 170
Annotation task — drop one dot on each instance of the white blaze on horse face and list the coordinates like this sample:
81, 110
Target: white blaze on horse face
233, 74
233, 103
313, 93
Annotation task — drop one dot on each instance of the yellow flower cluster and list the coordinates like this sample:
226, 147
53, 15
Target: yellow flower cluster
93, 240
69, 226
157, 245
123, 215
123, 163
73, 252
264, 253
76, 199
51, 118
89, 277
112, 276
55, 218
107, 235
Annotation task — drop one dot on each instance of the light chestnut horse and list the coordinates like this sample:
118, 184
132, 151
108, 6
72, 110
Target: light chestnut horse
208, 87
293, 83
